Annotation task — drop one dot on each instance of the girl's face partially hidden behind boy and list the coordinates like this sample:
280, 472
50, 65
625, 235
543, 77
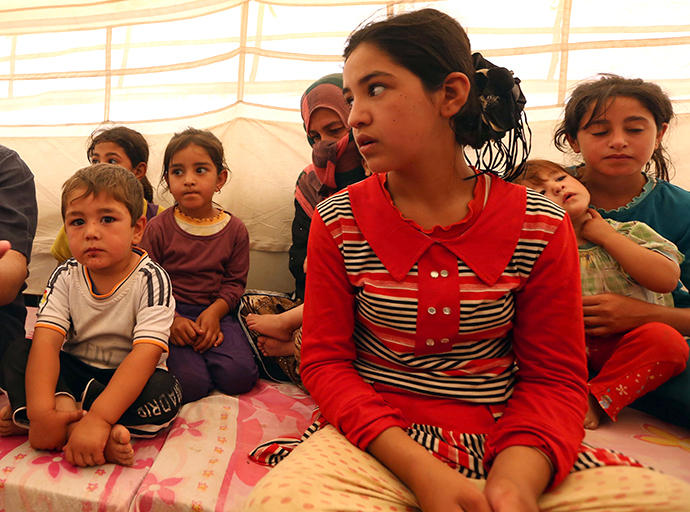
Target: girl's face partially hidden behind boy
193, 179
620, 141
111, 153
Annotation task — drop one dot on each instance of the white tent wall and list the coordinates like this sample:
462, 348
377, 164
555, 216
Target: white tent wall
239, 68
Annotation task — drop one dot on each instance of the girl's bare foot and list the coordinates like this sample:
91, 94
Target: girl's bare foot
118, 450
594, 413
273, 326
7, 426
272, 347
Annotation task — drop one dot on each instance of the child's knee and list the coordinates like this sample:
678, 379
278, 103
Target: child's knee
670, 342
195, 387
238, 379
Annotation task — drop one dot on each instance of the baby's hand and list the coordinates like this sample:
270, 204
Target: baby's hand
48, 431
87, 442
184, 331
596, 229
210, 325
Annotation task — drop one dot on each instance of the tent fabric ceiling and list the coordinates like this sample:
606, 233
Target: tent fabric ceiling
239, 68
126, 61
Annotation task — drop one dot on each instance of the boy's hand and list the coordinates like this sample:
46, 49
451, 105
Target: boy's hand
184, 331
48, 431
210, 325
87, 442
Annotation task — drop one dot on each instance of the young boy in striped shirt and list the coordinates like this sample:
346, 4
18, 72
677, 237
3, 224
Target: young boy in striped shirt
94, 374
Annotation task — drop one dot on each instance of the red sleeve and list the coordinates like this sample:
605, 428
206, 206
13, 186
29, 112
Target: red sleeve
328, 349
234, 279
549, 401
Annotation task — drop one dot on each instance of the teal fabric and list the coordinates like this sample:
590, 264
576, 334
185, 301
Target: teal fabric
666, 208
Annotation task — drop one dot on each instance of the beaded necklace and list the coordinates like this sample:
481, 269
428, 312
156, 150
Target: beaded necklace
194, 220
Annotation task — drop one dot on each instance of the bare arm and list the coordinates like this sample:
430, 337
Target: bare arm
649, 268
509, 487
42, 370
438, 487
48, 428
13, 272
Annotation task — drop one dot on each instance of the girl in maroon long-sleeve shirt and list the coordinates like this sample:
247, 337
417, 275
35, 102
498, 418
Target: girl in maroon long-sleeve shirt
205, 250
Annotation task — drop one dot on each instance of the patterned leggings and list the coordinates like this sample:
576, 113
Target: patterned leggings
328, 473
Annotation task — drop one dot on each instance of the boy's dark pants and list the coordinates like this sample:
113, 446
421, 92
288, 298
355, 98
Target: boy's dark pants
154, 409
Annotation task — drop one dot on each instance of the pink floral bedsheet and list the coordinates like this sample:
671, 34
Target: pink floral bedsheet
656, 443
200, 464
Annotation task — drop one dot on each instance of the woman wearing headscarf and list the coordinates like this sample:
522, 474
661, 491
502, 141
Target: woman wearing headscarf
336, 163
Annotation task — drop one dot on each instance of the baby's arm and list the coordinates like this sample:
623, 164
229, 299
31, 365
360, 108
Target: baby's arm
48, 427
89, 437
649, 268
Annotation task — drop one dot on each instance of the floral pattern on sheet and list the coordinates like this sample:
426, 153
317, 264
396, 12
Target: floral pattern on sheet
152, 487
56, 463
182, 427
202, 460
210, 441
36, 481
663, 438
647, 439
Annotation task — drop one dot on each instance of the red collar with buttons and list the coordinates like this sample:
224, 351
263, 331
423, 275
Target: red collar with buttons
485, 241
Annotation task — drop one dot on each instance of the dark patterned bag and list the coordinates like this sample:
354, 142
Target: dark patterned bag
278, 369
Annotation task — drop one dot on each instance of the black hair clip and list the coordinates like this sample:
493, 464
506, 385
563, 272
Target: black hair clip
502, 103
500, 95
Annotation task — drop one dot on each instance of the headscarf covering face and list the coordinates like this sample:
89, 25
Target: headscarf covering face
326, 92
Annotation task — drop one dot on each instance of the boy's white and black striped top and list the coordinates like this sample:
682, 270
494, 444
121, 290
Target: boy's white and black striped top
101, 329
